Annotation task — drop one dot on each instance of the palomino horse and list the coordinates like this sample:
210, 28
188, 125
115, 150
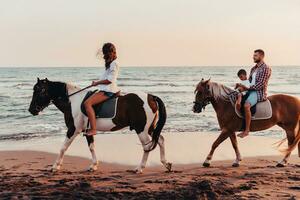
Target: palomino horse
286, 114
144, 113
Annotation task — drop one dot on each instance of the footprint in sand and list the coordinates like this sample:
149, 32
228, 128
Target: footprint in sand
11, 159
294, 178
294, 187
16, 166
116, 176
106, 179
40, 158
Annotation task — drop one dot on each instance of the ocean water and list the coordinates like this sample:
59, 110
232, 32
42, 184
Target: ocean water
175, 86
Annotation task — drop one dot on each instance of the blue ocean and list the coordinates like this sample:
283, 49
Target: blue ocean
175, 86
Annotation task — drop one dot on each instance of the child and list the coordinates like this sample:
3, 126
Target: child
242, 74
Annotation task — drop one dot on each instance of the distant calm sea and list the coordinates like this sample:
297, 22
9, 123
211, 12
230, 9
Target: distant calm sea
175, 85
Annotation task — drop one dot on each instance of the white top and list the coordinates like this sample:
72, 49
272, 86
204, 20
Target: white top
245, 83
110, 74
253, 77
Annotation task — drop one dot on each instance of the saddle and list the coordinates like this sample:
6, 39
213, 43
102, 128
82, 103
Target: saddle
106, 109
263, 110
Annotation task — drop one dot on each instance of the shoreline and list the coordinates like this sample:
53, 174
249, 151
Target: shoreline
26, 175
194, 147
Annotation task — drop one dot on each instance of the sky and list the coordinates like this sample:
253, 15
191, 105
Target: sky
46, 33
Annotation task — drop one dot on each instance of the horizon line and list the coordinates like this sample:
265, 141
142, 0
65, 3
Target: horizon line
149, 66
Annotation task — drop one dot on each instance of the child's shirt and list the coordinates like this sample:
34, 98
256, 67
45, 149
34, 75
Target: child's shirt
245, 83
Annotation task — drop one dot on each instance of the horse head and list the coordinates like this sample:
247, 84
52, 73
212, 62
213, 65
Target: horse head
41, 97
202, 96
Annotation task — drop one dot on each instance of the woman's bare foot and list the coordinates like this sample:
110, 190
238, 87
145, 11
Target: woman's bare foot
91, 132
243, 134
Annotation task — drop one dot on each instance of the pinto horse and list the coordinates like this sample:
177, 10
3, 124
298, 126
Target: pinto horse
285, 113
144, 113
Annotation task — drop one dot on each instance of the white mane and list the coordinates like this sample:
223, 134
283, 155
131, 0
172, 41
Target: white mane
219, 91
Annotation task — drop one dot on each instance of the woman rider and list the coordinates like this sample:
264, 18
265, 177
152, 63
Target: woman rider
107, 82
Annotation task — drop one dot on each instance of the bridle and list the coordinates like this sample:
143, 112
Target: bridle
202, 104
52, 101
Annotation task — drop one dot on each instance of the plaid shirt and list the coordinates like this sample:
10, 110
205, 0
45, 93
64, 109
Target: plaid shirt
263, 73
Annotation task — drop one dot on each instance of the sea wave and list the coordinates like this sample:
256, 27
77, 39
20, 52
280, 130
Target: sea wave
173, 85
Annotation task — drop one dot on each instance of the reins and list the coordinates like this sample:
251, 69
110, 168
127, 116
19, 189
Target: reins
80, 90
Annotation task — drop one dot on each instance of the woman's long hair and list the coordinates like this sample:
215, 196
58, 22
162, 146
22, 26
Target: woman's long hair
109, 53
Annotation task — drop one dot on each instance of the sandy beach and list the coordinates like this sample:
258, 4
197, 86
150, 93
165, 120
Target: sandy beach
26, 175
166, 77
25, 171
126, 149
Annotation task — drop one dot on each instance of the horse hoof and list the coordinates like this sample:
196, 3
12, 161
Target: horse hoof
169, 167
280, 165
92, 169
235, 165
138, 171
54, 170
206, 164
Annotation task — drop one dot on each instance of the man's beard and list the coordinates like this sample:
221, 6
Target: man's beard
257, 61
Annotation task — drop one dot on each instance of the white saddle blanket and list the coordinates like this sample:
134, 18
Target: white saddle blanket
263, 111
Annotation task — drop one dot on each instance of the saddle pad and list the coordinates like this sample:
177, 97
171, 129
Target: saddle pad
107, 109
263, 111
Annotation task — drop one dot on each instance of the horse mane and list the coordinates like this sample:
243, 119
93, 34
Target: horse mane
219, 91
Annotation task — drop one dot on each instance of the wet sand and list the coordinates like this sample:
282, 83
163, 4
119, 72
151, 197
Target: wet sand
26, 175
126, 149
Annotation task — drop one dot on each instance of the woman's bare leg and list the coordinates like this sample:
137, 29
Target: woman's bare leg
93, 100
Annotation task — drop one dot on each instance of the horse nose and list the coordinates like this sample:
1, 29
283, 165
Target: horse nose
32, 111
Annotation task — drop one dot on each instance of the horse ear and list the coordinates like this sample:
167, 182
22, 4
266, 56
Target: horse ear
46, 79
207, 81
38, 79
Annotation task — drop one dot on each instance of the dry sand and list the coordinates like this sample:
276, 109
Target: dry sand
26, 175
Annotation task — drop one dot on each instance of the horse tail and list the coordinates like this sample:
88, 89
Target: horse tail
162, 117
295, 143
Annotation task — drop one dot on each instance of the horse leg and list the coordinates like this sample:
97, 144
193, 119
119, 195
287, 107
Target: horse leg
161, 143
223, 136
298, 149
146, 142
91, 144
290, 138
69, 139
234, 143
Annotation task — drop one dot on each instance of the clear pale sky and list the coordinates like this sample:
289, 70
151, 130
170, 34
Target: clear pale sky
149, 33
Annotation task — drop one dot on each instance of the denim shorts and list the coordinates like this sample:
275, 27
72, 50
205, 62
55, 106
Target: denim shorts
108, 94
252, 98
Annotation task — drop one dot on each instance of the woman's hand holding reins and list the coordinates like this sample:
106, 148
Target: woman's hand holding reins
95, 83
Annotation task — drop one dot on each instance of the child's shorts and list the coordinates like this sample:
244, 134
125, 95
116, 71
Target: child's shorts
252, 98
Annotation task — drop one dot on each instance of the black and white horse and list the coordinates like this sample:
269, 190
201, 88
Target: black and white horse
144, 113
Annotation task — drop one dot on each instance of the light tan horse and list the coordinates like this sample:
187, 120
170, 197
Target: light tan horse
286, 114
